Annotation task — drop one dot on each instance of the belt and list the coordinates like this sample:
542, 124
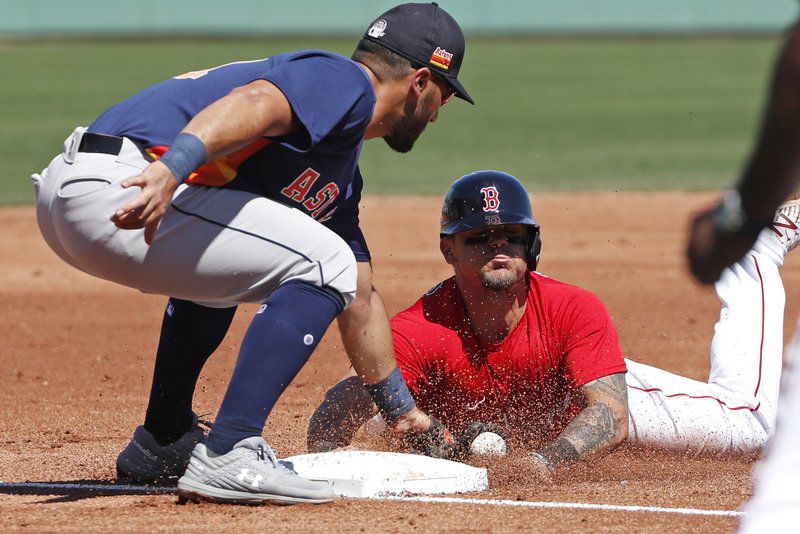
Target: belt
100, 144
96, 143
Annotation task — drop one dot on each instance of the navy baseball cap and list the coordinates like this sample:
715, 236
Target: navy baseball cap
426, 35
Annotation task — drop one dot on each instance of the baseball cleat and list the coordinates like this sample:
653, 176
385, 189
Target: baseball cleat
786, 224
248, 474
144, 460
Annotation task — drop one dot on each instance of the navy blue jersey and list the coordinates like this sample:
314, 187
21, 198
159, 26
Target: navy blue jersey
314, 169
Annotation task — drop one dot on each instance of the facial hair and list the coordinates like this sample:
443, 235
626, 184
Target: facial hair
498, 280
410, 127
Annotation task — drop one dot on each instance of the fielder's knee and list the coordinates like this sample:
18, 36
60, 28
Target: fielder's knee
336, 274
345, 280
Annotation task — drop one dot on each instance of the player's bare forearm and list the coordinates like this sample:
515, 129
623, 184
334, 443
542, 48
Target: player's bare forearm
365, 330
597, 429
367, 338
258, 109
346, 407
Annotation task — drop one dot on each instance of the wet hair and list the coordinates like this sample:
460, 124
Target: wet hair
386, 65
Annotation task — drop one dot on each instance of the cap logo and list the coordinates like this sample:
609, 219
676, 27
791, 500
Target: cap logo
491, 198
377, 29
441, 58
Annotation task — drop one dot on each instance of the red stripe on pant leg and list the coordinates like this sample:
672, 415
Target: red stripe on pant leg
763, 313
700, 397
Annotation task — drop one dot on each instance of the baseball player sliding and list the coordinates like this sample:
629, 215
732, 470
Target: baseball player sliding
504, 345
236, 184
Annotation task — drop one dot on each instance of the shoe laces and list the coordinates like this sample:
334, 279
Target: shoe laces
266, 454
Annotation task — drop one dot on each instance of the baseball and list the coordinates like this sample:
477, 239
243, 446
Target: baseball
488, 444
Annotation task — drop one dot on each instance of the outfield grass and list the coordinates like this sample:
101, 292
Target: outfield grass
558, 113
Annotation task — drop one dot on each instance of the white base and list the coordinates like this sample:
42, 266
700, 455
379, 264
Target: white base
371, 474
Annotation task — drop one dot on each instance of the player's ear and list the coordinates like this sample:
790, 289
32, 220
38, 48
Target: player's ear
446, 246
420, 80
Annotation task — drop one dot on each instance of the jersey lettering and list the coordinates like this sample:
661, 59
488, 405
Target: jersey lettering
328, 215
491, 198
325, 196
298, 189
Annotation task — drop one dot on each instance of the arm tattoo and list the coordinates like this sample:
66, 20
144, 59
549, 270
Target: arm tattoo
558, 452
598, 428
612, 386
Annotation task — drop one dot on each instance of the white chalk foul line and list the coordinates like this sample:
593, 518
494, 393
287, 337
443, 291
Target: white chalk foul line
157, 490
568, 505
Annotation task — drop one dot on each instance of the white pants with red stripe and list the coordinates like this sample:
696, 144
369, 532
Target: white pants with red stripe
734, 412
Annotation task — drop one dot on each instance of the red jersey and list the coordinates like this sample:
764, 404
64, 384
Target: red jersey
525, 383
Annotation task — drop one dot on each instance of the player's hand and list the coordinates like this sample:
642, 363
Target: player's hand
158, 184
710, 252
425, 434
413, 421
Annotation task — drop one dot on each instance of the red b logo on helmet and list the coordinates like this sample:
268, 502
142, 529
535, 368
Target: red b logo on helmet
491, 198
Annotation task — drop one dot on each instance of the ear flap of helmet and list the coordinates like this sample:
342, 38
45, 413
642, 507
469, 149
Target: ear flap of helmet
534, 248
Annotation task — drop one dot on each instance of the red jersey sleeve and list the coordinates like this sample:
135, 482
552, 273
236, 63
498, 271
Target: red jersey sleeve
591, 343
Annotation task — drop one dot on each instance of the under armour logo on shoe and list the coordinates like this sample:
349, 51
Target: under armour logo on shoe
247, 478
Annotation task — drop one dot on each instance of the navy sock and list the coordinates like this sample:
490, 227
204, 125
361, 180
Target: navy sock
190, 333
279, 341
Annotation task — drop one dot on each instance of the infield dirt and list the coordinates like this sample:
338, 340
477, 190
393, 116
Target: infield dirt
78, 354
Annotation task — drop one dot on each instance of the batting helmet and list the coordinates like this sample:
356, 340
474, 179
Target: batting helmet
488, 198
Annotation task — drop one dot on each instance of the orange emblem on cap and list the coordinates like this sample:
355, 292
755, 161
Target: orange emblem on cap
441, 58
